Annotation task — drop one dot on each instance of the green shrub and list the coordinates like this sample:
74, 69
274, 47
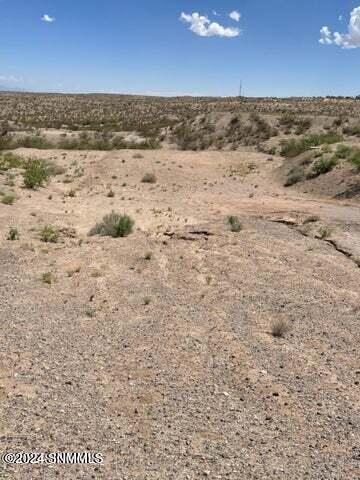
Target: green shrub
114, 225
343, 151
13, 234
292, 148
355, 159
9, 160
49, 234
234, 222
324, 165
36, 173
8, 199
90, 312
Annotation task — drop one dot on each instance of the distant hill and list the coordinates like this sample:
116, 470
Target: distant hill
4, 88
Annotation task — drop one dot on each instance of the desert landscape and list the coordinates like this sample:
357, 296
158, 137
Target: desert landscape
180, 286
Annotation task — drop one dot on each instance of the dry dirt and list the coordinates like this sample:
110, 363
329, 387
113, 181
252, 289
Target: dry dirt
167, 365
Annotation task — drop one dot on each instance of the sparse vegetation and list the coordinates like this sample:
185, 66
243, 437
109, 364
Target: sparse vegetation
279, 327
90, 312
35, 174
49, 234
293, 148
13, 234
295, 175
354, 158
114, 225
8, 199
48, 278
324, 232
234, 222
9, 161
343, 151
324, 165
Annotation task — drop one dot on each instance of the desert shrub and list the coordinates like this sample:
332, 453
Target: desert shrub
13, 234
338, 121
293, 148
324, 232
149, 178
324, 165
352, 130
48, 278
90, 312
234, 222
302, 125
148, 256
287, 120
33, 142
49, 234
8, 199
355, 159
343, 151
308, 160
149, 144
114, 225
279, 327
326, 148
294, 176
9, 160
6, 143
53, 169
35, 174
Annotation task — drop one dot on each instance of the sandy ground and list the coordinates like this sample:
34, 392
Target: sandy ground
167, 366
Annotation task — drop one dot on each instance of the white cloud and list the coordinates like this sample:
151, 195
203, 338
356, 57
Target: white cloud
47, 18
202, 26
235, 16
11, 79
351, 39
326, 36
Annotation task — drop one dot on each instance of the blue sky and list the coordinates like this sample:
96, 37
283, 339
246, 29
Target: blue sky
143, 46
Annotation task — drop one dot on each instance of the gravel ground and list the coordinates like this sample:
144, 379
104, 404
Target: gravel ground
167, 366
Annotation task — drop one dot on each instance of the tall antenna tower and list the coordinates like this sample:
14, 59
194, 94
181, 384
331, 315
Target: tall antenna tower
240, 89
